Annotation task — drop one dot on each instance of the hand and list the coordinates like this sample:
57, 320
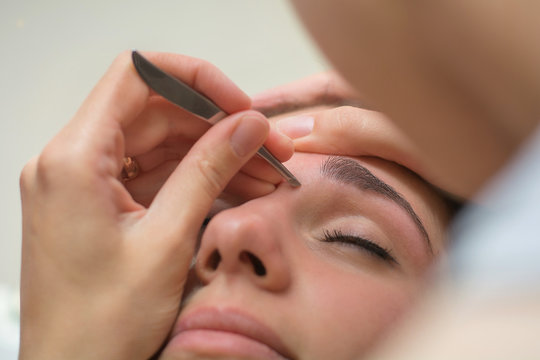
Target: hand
158, 141
103, 275
326, 88
466, 94
355, 132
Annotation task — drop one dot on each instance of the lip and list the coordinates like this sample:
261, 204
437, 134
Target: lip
215, 331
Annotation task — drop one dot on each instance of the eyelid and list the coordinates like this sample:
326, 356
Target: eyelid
360, 242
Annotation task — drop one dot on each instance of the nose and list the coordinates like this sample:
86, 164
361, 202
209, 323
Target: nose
243, 242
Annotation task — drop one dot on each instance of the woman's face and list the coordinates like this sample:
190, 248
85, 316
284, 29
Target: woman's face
317, 272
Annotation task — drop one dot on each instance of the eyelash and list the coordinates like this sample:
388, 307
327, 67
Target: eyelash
364, 244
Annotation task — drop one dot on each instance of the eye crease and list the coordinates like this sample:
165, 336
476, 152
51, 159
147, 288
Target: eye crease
337, 236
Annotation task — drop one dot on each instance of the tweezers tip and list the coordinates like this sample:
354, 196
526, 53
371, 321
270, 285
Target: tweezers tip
294, 182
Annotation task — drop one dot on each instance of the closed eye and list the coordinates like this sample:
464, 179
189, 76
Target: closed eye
361, 243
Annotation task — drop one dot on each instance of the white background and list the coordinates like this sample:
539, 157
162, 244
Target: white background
53, 52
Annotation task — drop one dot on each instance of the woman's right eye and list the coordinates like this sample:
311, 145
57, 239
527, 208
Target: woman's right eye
361, 243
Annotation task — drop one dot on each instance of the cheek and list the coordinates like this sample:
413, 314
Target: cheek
352, 311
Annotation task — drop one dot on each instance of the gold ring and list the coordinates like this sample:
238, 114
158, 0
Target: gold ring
131, 169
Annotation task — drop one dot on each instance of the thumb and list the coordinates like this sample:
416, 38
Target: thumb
187, 196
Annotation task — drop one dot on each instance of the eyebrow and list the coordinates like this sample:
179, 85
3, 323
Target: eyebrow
350, 172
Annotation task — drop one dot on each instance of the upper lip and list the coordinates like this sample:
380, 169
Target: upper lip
234, 321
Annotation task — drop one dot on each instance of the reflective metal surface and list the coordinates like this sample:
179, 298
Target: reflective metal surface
187, 98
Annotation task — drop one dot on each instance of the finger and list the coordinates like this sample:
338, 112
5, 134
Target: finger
171, 149
163, 132
146, 185
258, 168
155, 167
356, 132
205, 78
94, 136
279, 144
121, 95
188, 194
159, 121
162, 122
242, 186
176, 148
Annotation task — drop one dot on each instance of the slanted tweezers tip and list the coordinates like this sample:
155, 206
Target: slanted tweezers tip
294, 182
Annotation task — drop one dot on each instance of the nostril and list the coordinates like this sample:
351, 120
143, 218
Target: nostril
214, 260
258, 266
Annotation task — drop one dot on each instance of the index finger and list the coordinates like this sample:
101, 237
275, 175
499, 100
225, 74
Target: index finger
121, 94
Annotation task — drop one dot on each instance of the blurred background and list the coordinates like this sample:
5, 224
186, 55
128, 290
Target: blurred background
53, 52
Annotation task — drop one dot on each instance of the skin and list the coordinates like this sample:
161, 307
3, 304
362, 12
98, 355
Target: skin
461, 79
323, 300
103, 269
91, 262
353, 130
475, 84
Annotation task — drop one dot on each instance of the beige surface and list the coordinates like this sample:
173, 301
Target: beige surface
53, 52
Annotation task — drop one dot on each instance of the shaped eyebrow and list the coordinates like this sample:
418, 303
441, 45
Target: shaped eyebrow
350, 172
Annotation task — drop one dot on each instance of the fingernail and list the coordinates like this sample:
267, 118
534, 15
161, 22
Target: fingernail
250, 133
296, 126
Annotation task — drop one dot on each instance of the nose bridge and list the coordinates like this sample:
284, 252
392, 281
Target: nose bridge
246, 241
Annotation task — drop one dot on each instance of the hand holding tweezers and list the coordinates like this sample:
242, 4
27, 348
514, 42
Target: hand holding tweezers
187, 98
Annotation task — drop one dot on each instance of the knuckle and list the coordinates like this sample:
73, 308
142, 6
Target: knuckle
57, 163
27, 176
50, 161
205, 65
213, 176
348, 115
339, 124
351, 121
203, 71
